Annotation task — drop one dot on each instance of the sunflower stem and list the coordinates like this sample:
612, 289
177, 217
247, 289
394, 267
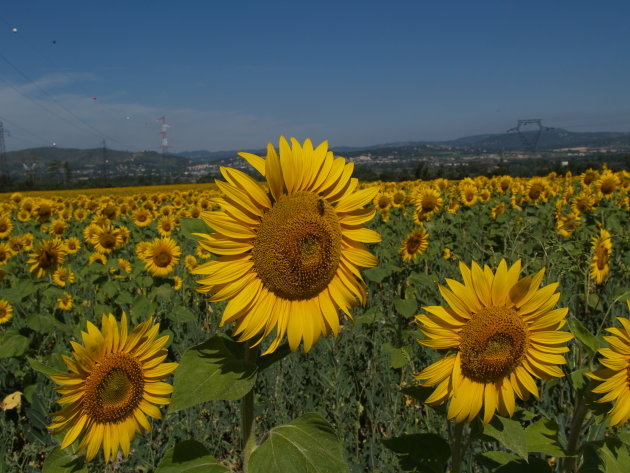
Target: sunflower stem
457, 452
247, 415
570, 463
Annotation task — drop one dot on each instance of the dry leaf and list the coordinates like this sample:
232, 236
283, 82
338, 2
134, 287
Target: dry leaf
12, 401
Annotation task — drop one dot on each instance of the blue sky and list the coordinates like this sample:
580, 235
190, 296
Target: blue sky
235, 75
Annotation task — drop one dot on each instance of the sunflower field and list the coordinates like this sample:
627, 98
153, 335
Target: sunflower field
303, 321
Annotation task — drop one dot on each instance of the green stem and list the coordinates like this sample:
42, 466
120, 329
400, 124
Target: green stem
457, 452
570, 462
247, 415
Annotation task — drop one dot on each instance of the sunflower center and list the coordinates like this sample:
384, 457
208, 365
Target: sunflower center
297, 247
162, 259
107, 241
114, 388
429, 202
602, 257
608, 187
413, 244
535, 191
493, 344
3, 226
47, 258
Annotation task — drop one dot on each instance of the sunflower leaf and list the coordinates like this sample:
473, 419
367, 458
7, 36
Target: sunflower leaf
406, 307
585, 337
542, 436
58, 461
191, 226
210, 372
189, 456
510, 433
13, 344
307, 444
420, 452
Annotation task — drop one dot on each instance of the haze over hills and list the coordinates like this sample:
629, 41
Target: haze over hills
90, 162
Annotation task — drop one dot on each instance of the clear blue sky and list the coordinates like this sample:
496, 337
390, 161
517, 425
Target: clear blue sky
235, 75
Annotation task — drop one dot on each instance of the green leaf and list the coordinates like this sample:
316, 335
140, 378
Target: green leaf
615, 456
142, 307
406, 307
369, 316
42, 368
54, 292
306, 445
585, 337
108, 288
542, 436
579, 379
58, 461
509, 433
182, 314
377, 274
100, 309
209, 372
124, 298
44, 323
189, 456
398, 357
426, 453
22, 289
495, 458
12, 344
190, 226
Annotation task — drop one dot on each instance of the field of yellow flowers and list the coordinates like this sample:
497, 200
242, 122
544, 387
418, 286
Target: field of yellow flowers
304, 321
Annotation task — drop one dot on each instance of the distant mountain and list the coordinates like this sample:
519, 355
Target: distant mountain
91, 161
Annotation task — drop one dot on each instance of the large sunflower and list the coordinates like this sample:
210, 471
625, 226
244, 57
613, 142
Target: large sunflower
6, 311
115, 381
615, 376
289, 258
501, 331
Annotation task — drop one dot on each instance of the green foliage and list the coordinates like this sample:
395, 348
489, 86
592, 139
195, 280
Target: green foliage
308, 444
189, 456
211, 371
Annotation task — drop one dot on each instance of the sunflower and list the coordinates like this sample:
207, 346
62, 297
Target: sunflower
63, 276
5, 226
65, 303
97, 258
166, 225
446, 254
567, 225
58, 227
190, 262
6, 311
47, 257
161, 256
72, 245
428, 201
607, 184
288, 259
497, 210
177, 283
5, 253
115, 381
583, 202
415, 244
501, 331
468, 194
615, 376
602, 251
142, 217
536, 190
105, 238
44, 210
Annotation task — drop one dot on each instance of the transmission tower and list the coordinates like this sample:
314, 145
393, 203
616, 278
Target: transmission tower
530, 143
5, 178
30, 169
164, 146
